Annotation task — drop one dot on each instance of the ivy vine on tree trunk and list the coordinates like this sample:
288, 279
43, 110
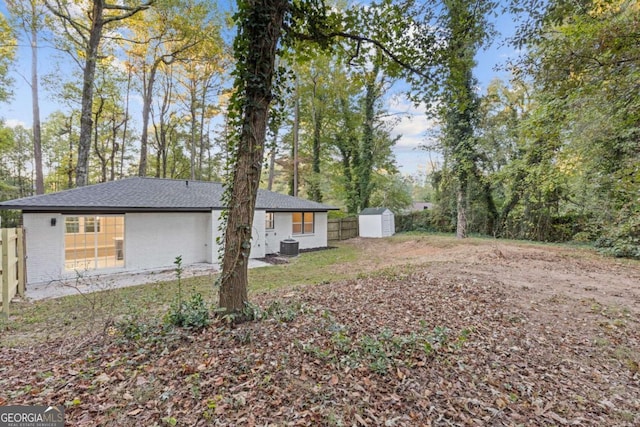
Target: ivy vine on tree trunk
265, 27
260, 29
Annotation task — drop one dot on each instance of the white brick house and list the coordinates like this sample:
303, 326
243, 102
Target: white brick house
135, 224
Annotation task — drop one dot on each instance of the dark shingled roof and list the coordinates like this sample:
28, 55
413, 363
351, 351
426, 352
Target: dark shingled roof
152, 195
373, 211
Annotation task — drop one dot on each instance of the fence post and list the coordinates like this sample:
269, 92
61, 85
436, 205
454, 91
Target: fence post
5, 273
22, 276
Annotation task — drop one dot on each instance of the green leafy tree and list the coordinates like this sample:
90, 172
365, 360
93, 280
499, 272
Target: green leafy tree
7, 54
88, 36
30, 16
466, 31
262, 25
169, 33
586, 65
61, 131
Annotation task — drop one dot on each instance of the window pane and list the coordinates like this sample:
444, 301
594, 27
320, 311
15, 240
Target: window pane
72, 224
297, 217
269, 220
308, 222
297, 228
91, 224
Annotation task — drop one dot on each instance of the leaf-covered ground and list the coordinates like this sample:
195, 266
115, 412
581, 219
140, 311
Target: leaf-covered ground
483, 336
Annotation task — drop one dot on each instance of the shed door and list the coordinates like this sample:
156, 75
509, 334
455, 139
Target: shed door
386, 224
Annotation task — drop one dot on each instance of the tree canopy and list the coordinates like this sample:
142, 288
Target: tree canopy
157, 88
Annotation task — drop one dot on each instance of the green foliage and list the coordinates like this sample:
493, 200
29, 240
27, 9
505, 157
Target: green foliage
7, 54
415, 221
190, 314
16, 152
385, 350
623, 238
283, 312
391, 191
134, 327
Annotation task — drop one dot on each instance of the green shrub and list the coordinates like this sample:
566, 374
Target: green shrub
190, 314
622, 239
415, 221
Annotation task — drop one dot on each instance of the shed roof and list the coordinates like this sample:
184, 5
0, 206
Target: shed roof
152, 195
374, 211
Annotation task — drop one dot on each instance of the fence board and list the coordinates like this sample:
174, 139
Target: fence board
342, 229
12, 274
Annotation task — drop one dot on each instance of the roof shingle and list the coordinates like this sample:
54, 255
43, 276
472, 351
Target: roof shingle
152, 194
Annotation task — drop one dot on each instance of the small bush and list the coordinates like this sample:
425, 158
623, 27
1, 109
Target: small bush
415, 221
190, 314
623, 238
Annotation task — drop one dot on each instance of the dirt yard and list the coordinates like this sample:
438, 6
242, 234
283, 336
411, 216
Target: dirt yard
541, 272
430, 331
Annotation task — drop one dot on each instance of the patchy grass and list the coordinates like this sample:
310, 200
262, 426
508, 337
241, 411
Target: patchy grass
33, 322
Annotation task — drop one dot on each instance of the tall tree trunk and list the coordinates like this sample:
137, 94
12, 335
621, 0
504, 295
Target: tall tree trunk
315, 193
147, 98
466, 24
366, 147
35, 102
272, 160
461, 205
70, 169
203, 110
101, 156
192, 153
296, 140
98, 21
123, 145
91, 55
258, 37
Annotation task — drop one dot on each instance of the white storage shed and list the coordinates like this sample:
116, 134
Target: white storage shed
376, 222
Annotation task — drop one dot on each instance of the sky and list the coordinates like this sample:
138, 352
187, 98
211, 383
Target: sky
411, 122
414, 126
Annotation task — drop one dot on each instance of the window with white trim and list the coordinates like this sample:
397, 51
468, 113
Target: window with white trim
269, 221
94, 242
72, 224
302, 222
91, 224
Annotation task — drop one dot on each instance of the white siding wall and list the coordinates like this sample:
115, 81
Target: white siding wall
215, 233
257, 236
154, 240
382, 225
283, 230
370, 225
388, 224
258, 243
44, 246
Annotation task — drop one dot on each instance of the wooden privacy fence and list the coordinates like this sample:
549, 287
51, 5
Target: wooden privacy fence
12, 274
342, 229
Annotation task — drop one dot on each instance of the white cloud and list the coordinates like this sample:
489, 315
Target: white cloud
12, 123
409, 121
